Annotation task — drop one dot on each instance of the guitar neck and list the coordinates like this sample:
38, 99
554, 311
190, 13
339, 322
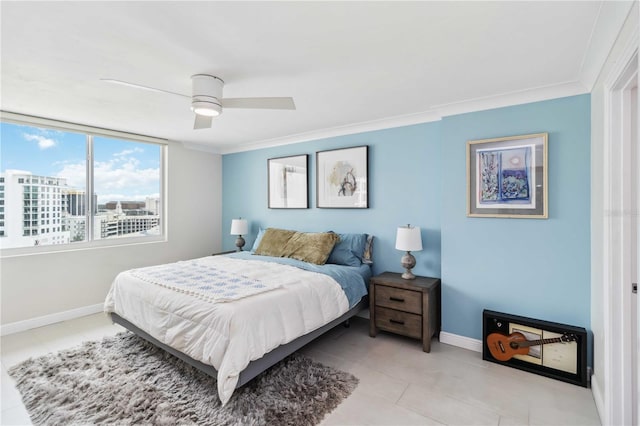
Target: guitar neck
528, 343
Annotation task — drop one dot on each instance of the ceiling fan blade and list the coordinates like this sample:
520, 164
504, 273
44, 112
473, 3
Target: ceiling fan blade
140, 86
259, 103
202, 122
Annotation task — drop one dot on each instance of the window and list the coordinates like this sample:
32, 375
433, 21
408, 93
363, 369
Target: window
93, 181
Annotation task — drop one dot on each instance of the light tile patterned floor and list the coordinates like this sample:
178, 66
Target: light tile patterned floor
399, 384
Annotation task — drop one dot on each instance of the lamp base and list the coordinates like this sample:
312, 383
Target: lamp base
239, 243
408, 275
408, 261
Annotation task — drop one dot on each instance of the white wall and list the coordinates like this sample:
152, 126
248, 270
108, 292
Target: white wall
38, 285
598, 206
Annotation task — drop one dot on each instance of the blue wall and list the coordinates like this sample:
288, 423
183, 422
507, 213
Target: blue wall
417, 174
532, 267
404, 187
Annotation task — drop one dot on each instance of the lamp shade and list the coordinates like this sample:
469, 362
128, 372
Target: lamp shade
239, 227
408, 238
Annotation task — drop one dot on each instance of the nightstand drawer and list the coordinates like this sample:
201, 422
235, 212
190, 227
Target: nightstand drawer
404, 323
395, 298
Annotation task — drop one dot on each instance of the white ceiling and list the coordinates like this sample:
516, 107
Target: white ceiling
348, 65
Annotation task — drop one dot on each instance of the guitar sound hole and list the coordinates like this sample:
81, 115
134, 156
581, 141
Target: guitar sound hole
514, 345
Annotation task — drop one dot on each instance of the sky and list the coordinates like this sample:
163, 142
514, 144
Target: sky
123, 170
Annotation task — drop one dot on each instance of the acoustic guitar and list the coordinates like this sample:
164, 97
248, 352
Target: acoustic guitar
503, 347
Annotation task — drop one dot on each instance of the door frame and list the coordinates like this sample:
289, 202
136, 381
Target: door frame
618, 401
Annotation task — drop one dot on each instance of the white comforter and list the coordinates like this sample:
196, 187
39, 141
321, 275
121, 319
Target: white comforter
228, 335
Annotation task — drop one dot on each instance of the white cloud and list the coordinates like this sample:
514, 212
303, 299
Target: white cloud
43, 142
75, 174
126, 152
119, 178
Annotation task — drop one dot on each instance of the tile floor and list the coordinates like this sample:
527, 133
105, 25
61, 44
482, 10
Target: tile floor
399, 384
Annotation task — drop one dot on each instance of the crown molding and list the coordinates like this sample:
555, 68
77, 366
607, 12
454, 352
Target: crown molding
434, 114
606, 29
362, 127
536, 94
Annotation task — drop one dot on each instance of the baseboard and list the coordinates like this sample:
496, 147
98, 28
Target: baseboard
598, 397
461, 341
17, 327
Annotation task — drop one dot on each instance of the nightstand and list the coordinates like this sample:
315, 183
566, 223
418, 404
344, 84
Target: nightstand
407, 307
223, 252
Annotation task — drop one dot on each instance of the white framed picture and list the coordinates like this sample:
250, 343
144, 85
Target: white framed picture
342, 178
288, 182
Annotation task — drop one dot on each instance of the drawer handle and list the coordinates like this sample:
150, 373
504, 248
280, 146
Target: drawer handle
396, 299
396, 322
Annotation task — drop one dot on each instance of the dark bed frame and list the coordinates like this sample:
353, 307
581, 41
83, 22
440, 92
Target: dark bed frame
255, 367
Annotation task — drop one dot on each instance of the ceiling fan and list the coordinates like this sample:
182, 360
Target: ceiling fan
207, 101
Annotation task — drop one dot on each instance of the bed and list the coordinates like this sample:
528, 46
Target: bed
235, 315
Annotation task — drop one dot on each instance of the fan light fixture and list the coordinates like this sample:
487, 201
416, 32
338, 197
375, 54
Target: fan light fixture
206, 94
207, 101
206, 108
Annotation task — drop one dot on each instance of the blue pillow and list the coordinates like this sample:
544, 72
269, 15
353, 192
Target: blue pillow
256, 243
349, 250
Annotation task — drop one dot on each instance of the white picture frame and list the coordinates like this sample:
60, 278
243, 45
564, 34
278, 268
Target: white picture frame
288, 182
342, 178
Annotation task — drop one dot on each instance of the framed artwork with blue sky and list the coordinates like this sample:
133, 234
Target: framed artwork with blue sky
507, 177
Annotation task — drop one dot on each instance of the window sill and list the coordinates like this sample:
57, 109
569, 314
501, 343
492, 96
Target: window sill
80, 246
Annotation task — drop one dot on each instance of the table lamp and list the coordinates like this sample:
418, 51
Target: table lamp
239, 227
408, 239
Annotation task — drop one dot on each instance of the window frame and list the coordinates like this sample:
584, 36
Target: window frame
90, 132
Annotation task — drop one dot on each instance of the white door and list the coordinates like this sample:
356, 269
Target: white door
635, 213
621, 242
635, 303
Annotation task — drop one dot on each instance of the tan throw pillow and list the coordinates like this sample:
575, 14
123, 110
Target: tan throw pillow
312, 247
273, 242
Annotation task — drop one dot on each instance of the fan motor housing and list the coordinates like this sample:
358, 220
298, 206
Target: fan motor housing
206, 95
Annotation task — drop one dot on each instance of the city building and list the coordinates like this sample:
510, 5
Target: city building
43, 210
32, 210
77, 202
119, 223
152, 204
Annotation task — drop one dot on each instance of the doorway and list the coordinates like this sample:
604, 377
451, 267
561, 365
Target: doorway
621, 242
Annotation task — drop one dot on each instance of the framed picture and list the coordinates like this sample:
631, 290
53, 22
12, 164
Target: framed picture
547, 348
507, 177
288, 182
342, 177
